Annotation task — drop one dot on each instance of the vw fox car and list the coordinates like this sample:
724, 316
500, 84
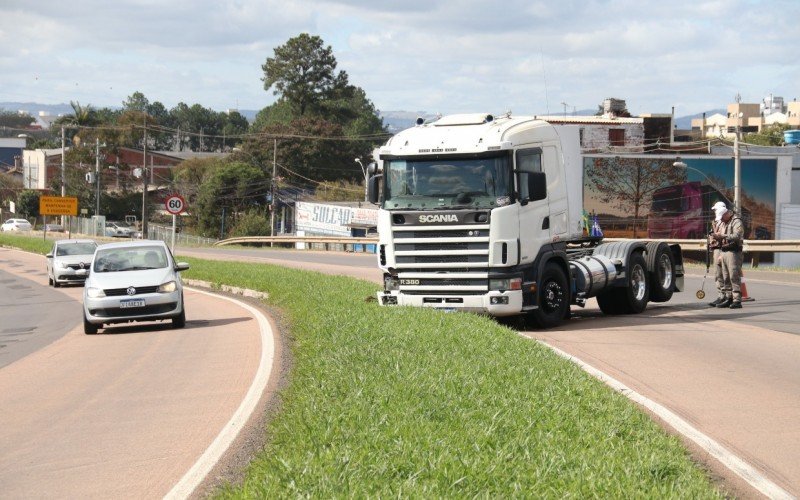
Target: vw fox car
66, 259
133, 281
16, 225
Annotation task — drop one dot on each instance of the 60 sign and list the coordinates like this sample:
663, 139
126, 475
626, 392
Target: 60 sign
175, 204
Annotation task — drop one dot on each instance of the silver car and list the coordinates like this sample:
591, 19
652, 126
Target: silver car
66, 259
133, 281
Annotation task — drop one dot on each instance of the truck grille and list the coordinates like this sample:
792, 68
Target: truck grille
442, 260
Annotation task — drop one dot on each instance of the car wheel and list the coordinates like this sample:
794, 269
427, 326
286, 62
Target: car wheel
89, 328
49, 280
179, 321
55, 282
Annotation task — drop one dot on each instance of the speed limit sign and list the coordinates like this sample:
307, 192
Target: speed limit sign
175, 204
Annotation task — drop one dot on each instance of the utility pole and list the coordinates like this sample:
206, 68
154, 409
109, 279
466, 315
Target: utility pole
274, 173
97, 174
63, 171
737, 171
144, 189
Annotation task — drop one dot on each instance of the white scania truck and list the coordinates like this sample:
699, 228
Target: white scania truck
483, 214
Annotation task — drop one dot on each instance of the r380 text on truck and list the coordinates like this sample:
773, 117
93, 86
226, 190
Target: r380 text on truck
483, 214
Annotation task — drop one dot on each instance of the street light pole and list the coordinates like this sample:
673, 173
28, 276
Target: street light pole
737, 171
97, 174
363, 171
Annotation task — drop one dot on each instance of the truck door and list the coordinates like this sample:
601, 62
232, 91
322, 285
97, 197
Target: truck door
534, 221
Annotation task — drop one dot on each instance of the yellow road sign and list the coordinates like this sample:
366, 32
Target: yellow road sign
58, 205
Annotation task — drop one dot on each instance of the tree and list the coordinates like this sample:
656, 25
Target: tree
629, 183
9, 187
302, 71
771, 135
15, 120
28, 203
229, 191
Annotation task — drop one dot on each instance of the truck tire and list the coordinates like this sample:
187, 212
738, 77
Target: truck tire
553, 297
632, 298
661, 268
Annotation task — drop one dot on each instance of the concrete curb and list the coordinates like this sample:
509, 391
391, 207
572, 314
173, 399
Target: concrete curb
244, 292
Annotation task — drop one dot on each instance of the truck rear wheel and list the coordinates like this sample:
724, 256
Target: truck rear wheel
661, 268
631, 299
553, 295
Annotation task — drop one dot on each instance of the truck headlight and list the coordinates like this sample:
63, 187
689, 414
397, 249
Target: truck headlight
505, 284
95, 293
391, 283
167, 287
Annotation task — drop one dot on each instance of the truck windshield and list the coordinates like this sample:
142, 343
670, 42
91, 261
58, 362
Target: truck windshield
447, 183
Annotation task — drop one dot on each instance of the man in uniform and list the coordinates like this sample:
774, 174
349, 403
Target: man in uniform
730, 234
719, 208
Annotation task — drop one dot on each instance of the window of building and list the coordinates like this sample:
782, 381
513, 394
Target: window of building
616, 136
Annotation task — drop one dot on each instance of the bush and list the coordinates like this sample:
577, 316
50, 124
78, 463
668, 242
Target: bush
252, 223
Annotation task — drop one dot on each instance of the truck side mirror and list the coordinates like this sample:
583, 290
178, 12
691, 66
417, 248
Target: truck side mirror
373, 189
537, 186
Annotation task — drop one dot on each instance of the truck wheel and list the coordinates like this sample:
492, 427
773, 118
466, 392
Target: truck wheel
631, 299
661, 268
553, 297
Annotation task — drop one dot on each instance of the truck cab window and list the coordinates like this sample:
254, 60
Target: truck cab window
528, 161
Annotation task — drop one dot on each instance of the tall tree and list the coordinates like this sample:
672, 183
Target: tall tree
303, 71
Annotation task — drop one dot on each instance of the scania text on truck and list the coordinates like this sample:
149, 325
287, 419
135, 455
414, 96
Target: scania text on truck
484, 214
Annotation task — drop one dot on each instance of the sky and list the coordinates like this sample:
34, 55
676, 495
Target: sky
434, 56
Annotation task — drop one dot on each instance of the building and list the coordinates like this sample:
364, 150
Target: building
10, 152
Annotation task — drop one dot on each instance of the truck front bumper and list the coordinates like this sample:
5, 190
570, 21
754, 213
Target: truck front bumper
494, 303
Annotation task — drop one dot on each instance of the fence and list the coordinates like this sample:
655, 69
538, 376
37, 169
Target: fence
164, 233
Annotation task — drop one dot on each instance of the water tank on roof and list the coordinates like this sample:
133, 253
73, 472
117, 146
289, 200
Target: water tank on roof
791, 136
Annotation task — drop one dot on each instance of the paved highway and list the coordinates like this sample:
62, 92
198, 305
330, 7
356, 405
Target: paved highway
732, 374
125, 414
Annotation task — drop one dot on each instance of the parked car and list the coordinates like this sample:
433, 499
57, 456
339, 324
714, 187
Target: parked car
133, 281
16, 225
67, 258
54, 228
117, 229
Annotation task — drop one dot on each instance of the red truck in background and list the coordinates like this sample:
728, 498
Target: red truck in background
683, 211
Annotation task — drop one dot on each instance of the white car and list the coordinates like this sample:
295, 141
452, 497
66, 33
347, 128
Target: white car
16, 225
120, 230
67, 258
133, 281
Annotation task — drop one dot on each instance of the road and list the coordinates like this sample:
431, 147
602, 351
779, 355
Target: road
732, 374
123, 414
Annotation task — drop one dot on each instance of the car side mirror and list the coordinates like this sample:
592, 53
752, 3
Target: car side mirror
49, 256
181, 266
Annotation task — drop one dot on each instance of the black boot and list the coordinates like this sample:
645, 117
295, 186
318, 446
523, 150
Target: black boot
725, 303
735, 305
716, 302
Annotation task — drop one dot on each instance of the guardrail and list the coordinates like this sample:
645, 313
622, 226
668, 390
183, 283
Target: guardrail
695, 245
306, 242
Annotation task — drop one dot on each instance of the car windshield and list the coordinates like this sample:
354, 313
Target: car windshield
130, 259
483, 182
75, 249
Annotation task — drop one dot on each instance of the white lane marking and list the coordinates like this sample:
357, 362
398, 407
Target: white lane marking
192, 479
716, 450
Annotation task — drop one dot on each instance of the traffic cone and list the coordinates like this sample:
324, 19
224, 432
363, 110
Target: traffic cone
743, 288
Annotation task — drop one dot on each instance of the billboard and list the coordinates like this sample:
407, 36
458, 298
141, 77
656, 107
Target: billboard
332, 220
649, 197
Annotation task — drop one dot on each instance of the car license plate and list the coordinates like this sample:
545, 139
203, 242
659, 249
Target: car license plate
125, 304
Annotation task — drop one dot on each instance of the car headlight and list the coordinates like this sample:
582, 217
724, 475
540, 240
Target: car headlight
170, 286
95, 292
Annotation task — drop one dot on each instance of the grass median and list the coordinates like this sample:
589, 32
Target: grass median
402, 402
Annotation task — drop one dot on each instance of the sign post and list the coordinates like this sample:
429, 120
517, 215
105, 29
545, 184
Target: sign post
175, 205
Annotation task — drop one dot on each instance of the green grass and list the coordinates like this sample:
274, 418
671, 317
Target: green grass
409, 402
402, 402
28, 243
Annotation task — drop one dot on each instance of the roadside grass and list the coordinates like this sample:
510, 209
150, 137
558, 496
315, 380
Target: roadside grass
28, 243
402, 402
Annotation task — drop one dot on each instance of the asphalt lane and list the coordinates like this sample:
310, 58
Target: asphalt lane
126, 413
31, 316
